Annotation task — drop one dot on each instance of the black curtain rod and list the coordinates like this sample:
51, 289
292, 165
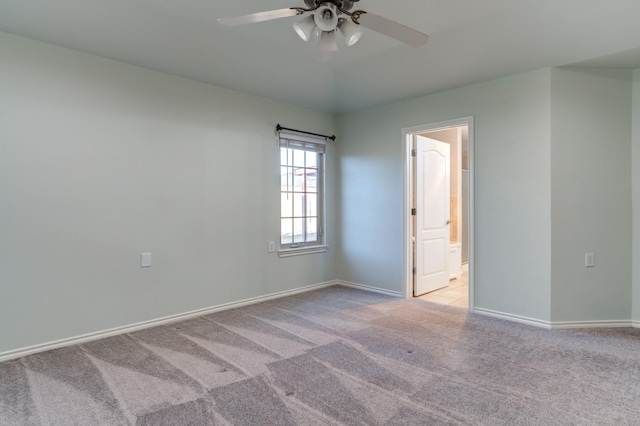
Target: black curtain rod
279, 127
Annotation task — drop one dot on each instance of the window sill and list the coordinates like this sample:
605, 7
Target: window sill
302, 250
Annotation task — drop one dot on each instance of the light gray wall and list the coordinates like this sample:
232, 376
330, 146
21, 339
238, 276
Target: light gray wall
590, 194
512, 189
100, 161
635, 170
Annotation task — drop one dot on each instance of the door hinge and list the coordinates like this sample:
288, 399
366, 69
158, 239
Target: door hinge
413, 152
413, 212
414, 270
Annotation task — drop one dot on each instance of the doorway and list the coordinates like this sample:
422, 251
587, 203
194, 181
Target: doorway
438, 201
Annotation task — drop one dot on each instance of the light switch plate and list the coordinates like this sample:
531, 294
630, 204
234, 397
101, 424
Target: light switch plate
145, 260
589, 260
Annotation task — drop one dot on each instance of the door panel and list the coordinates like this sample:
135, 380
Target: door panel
432, 215
433, 257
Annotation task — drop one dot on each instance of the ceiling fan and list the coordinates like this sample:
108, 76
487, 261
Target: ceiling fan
325, 17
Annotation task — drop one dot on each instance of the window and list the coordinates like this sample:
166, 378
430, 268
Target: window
301, 193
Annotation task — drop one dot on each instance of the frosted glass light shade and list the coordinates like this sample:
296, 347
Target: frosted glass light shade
326, 17
352, 32
305, 27
328, 41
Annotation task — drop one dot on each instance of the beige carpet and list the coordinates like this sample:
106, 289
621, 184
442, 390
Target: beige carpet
330, 357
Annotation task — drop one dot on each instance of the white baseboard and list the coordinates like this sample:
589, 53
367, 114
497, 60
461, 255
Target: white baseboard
515, 318
564, 325
17, 353
369, 288
559, 325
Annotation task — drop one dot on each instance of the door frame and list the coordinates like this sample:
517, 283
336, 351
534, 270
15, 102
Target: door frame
407, 252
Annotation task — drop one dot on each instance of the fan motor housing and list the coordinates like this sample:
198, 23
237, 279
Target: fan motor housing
342, 4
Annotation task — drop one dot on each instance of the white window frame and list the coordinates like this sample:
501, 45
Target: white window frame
307, 143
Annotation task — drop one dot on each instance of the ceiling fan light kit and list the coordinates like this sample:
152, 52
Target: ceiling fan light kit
327, 16
350, 31
328, 41
305, 27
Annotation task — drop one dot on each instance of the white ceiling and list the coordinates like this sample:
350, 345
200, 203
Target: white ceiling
470, 41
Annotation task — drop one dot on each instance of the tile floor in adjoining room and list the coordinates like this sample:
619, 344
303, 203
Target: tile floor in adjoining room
455, 294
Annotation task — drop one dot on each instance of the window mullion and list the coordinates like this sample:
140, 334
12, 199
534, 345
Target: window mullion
304, 198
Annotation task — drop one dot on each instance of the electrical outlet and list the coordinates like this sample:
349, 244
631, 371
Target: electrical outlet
272, 246
589, 260
145, 260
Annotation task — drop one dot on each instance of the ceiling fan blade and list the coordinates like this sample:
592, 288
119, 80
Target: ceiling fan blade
393, 29
232, 21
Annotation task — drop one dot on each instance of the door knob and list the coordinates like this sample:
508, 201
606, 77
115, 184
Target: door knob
448, 222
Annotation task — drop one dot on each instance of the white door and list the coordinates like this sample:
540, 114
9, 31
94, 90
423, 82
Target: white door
432, 215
